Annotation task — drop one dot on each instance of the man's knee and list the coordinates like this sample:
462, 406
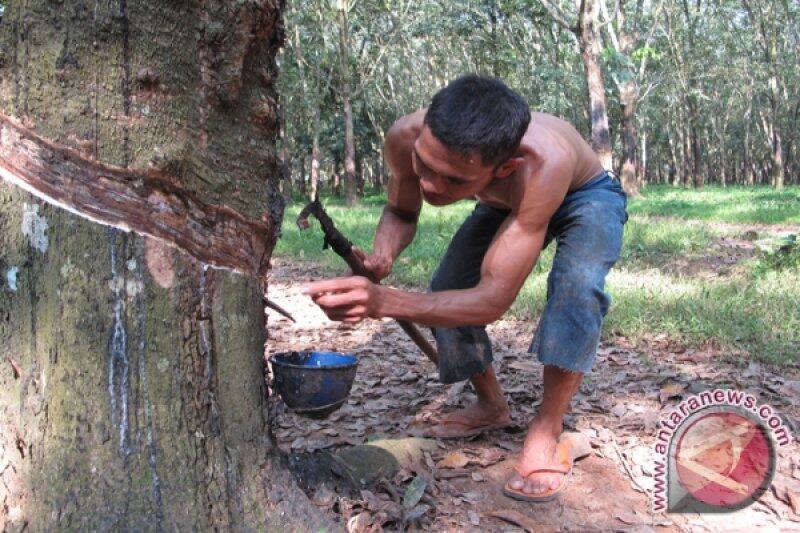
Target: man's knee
580, 289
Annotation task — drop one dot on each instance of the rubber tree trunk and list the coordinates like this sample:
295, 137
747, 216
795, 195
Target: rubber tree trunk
629, 175
132, 389
350, 183
591, 48
698, 178
314, 178
778, 170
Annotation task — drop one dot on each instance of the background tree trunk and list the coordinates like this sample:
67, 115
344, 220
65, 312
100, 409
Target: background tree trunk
591, 48
314, 177
132, 389
350, 184
630, 158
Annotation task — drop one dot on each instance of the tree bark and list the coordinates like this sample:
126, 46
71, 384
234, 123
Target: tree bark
314, 178
628, 95
694, 141
778, 174
591, 48
350, 185
586, 32
132, 391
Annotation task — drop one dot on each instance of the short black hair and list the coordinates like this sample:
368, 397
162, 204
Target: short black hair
479, 114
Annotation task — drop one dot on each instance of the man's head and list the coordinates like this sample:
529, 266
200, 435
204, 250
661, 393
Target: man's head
471, 135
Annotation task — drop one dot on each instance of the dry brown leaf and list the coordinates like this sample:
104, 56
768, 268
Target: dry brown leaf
579, 444
631, 519
794, 502
452, 474
453, 460
490, 456
324, 497
359, 522
515, 517
523, 366
670, 390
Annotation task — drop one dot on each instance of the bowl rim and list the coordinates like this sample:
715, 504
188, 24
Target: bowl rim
272, 360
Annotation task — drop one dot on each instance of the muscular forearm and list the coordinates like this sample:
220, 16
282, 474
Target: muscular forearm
468, 307
394, 234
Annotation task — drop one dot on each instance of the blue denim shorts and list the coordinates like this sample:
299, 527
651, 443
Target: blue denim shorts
587, 229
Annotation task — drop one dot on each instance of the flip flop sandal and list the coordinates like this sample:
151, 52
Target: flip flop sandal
564, 455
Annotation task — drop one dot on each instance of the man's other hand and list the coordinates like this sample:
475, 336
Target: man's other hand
350, 299
378, 265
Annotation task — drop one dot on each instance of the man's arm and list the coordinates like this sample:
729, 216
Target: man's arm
507, 264
398, 224
510, 258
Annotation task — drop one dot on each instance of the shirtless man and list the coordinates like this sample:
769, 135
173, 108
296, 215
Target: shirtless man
535, 180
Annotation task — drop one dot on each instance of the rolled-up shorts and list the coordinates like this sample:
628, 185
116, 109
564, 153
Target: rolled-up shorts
587, 228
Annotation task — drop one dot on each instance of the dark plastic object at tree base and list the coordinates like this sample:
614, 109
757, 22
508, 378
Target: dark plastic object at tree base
313, 384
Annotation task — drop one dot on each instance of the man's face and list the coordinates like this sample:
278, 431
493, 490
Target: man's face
446, 177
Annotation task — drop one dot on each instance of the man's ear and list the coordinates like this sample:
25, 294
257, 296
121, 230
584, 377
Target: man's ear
508, 168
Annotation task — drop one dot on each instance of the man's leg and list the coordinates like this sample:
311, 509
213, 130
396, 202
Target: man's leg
490, 410
588, 230
466, 352
540, 445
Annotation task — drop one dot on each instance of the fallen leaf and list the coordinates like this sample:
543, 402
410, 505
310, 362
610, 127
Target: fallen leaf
794, 502
515, 517
670, 390
580, 445
631, 519
476, 476
524, 366
474, 519
417, 512
619, 410
359, 522
324, 497
414, 492
453, 460
473, 496
452, 474
490, 456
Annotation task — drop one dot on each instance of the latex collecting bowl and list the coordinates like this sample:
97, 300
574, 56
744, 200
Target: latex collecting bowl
313, 384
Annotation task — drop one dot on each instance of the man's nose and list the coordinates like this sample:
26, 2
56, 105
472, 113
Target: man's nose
432, 184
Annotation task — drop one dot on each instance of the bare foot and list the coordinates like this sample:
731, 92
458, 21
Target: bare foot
539, 452
479, 417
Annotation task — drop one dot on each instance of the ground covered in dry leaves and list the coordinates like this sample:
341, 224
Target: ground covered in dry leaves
457, 487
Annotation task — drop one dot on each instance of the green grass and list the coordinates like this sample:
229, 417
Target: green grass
724, 204
755, 309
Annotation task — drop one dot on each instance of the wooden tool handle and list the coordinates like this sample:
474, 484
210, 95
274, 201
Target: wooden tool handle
357, 266
344, 248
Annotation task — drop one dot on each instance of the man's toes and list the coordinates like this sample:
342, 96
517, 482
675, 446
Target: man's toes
535, 484
516, 482
532, 486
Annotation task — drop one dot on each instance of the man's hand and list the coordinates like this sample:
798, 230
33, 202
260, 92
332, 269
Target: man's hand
349, 299
379, 265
